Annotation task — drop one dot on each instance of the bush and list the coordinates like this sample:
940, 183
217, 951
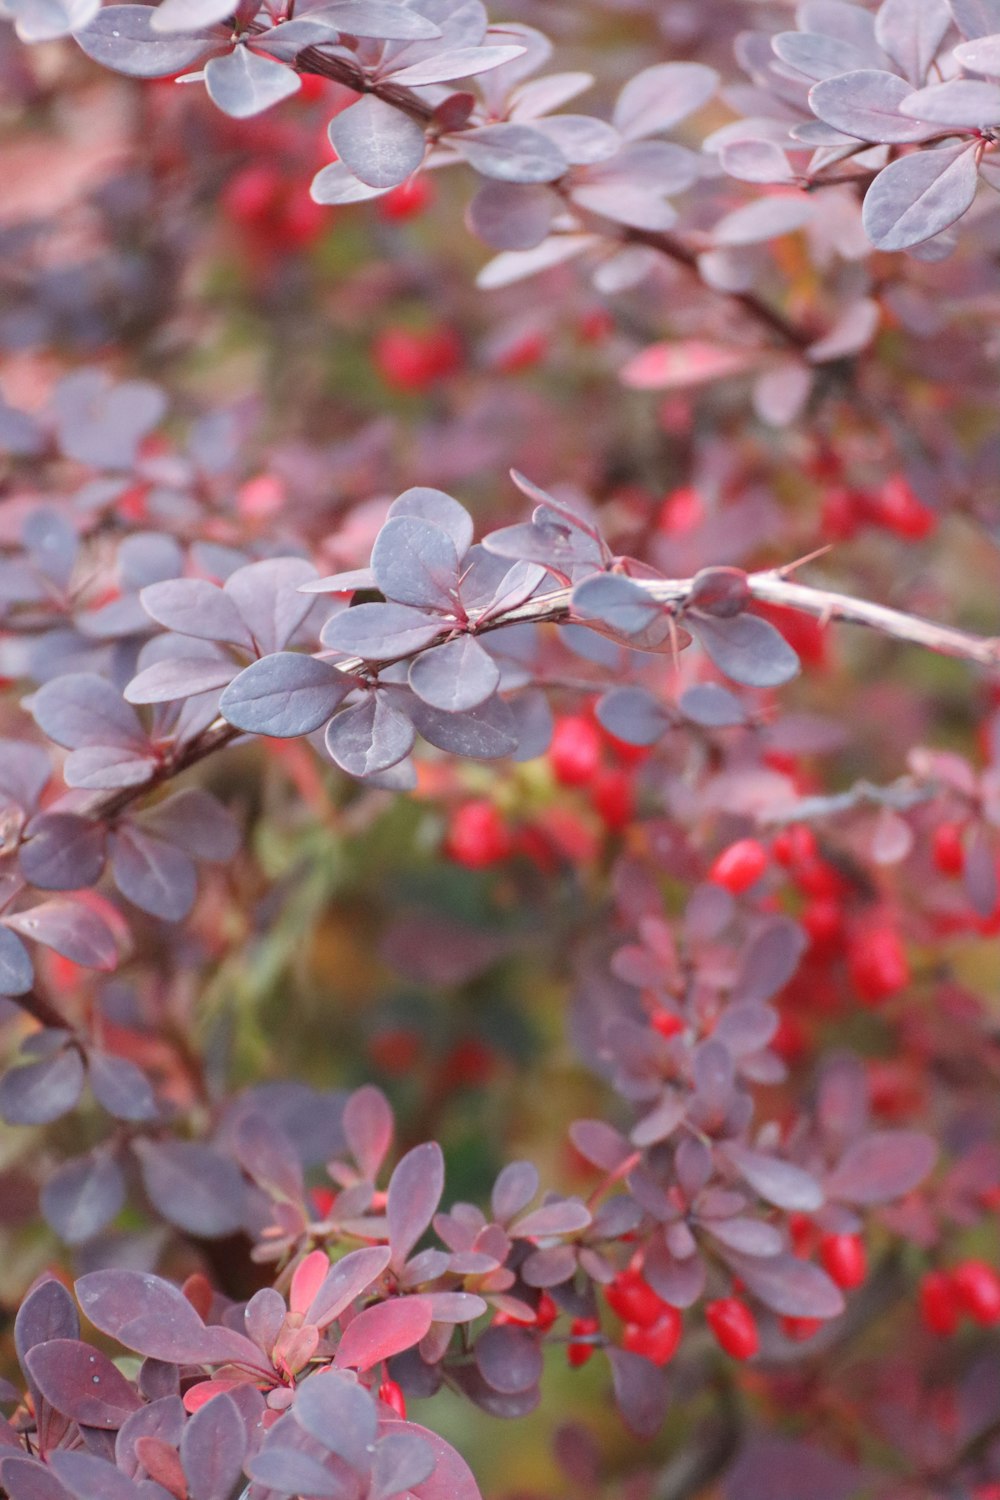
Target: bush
573, 816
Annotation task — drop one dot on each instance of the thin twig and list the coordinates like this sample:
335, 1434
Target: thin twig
554, 607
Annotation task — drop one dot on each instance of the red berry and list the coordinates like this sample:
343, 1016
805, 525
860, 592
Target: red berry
546, 1313
938, 1304
396, 1050
666, 1023
841, 514
897, 508
794, 846
251, 194
682, 510
816, 878
478, 836
575, 751
878, 964
410, 360
392, 1395
740, 866
802, 1232
578, 1352
824, 923
657, 1341
406, 201
633, 1299
844, 1259
613, 799
733, 1326
800, 1329
948, 849
977, 1288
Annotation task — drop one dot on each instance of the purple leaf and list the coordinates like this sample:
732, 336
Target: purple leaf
268, 1155
353, 1274
787, 1285
564, 1216
456, 676
414, 1193
62, 852
122, 38
370, 736
484, 733
213, 1447
163, 1418
196, 823
660, 97
121, 1087
268, 594
26, 1479
640, 1392
154, 875
746, 649
452, 1479
42, 1091
380, 631
919, 195
961, 101
515, 1187
193, 606
84, 709
377, 142
193, 1186
82, 1383
457, 62
284, 695
402, 1461
415, 562
509, 1359
88, 1477
244, 83
380, 1331
16, 972
106, 767
69, 928
287, 1471
633, 715
911, 35
617, 601
884, 1165
511, 216
339, 1414
866, 104
179, 677
368, 1128
119, 1301
82, 1196
384, 19
188, 15
510, 153
776, 1181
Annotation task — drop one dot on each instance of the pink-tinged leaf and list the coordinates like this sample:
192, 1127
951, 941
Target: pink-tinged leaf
852, 332
344, 1281
415, 1190
685, 362
213, 1447
866, 105
188, 15
178, 678
917, 196
565, 1216
378, 143
383, 1330
514, 1189
764, 219
193, 606
458, 62
308, 1278
776, 1181
787, 1285
69, 928
368, 1126
882, 1166
82, 1383
452, 1478
660, 97
961, 101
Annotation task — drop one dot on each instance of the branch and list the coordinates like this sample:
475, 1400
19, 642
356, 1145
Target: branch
314, 60
555, 607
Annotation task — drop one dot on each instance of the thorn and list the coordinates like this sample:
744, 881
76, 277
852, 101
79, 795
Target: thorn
800, 562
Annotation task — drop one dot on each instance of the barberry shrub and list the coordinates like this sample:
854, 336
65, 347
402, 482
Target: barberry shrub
499, 754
